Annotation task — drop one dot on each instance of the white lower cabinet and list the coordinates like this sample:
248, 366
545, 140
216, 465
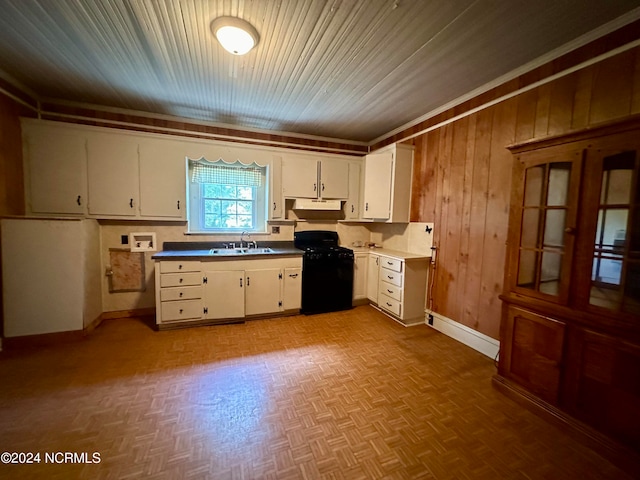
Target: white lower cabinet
292, 285
360, 264
201, 291
224, 293
402, 288
263, 291
373, 269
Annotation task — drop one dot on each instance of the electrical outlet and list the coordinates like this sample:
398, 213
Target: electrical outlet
275, 229
124, 239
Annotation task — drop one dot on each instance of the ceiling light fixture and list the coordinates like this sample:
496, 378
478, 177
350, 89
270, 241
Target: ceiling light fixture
236, 36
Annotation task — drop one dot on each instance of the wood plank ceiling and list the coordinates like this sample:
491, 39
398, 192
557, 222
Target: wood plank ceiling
345, 69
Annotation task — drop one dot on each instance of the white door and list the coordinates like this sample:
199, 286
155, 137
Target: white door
299, 177
162, 180
378, 176
57, 171
292, 295
263, 291
334, 179
113, 175
224, 294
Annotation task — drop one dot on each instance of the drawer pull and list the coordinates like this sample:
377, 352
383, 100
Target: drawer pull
180, 294
180, 281
293, 275
389, 263
390, 277
180, 311
180, 267
389, 305
390, 291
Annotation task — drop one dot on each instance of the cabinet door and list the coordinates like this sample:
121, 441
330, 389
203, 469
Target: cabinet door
276, 208
533, 352
544, 205
224, 294
263, 291
378, 177
360, 275
334, 179
352, 205
292, 294
373, 271
57, 171
162, 180
300, 177
602, 384
113, 175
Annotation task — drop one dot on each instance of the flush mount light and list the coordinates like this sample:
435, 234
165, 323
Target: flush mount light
234, 34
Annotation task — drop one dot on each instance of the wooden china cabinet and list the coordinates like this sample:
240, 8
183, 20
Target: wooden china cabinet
570, 334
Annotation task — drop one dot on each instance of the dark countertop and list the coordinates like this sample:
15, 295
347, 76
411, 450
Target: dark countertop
199, 250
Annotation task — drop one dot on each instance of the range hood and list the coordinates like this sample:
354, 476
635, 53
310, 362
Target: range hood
312, 204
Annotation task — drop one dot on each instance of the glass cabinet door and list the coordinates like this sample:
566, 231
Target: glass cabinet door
615, 258
547, 224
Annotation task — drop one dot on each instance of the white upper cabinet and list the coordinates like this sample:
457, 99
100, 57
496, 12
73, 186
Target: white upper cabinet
162, 180
55, 170
352, 205
300, 177
113, 174
315, 178
387, 184
276, 202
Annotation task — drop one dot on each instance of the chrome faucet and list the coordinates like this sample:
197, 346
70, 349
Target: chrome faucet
242, 237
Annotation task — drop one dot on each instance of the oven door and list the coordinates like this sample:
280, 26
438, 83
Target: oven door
327, 283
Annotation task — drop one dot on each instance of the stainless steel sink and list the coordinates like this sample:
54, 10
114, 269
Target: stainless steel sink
240, 251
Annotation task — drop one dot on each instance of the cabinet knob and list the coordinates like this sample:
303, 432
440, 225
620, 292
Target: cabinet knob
180, 295
131, 202
79, 200
570, 230
180, 311
180, 281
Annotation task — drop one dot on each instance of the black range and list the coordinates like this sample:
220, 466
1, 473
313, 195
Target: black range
327, 272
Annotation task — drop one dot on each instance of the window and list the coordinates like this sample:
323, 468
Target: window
226, 197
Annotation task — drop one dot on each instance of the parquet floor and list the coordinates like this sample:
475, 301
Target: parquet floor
345, 395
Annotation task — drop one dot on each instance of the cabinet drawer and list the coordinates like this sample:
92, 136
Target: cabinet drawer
180, 293
391, 290
184, 310
390, 276
391, 264
180, 266
390, 304
180, 279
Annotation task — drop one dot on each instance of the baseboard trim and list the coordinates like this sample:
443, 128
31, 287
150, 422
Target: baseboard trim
478, 341
619, 454
44, 339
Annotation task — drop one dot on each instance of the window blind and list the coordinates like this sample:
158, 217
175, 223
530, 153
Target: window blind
226, 174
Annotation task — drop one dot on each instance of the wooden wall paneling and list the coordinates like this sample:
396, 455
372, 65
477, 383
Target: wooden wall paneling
541, 127
497, 220
561, 104
612, 87
455, 203
635, 88
421, 176
526, 115
442, 191
477, 217
582, 98
465, 221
